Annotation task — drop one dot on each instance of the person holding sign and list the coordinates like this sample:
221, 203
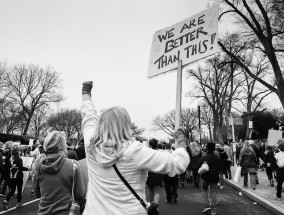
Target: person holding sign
112, 154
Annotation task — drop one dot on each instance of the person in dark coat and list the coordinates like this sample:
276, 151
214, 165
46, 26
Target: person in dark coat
7, 166
210, 179
247, 160
195, 154
223, 167
81, 150
71, 153
257, 154
270, 163
154, 180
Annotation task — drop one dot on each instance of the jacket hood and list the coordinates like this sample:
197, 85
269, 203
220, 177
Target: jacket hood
52, 163
106, 156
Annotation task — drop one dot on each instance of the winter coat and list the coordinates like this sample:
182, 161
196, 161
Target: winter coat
224, 157
53, 184
247, 158
17, 168
7, 163
194, 159
214, 162
71, 154
81, 152
107, 194
270, 160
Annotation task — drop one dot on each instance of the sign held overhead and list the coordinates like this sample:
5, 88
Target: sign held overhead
189, 40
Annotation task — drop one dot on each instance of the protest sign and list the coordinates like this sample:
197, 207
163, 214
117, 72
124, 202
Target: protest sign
189, 40
27, 162
273, 137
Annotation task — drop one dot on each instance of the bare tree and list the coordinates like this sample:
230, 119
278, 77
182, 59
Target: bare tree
213, 85
261, 26
66, 120
32, 87
166, 123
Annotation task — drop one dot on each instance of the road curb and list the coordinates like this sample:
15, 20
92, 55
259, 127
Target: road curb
258, 199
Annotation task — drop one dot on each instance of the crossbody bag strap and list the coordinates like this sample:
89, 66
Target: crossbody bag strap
129, 187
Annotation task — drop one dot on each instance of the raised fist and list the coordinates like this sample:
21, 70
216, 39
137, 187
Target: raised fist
87, 87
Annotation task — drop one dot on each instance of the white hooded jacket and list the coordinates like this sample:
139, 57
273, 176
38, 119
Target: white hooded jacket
107, 194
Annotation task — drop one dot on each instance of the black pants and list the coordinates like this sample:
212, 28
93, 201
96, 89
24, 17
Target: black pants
196, 176
269, 173
171, 185
228, 173
15, 183
279, 189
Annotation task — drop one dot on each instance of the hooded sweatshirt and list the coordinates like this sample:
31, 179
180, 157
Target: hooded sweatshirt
107, 194
53, 183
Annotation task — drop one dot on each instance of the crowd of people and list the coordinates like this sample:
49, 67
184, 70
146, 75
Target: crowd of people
120, 168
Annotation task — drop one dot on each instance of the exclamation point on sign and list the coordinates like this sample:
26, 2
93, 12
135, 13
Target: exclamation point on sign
213, 36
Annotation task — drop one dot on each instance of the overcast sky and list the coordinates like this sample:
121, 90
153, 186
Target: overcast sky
106, 41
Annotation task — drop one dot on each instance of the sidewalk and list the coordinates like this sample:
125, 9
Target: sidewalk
263, 194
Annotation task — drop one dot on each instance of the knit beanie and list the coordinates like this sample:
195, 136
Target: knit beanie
54, 142
15, 148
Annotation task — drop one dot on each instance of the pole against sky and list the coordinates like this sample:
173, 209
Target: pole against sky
107, 42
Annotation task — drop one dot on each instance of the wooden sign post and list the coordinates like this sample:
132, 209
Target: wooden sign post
178, 95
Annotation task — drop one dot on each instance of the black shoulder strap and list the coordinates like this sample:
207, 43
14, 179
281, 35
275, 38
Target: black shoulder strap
129, 187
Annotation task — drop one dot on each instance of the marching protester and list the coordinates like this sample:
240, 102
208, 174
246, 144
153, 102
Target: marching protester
248, 162
229, 161
210, 179
58, 180
154, 180
81, 150
170, 182
270, 163
117, 164
195, 154
16, 176
279, 156
7, 165
224, 157
71, 154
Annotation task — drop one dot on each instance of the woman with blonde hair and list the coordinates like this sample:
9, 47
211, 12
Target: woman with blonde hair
248, 162
108, 140
56, 176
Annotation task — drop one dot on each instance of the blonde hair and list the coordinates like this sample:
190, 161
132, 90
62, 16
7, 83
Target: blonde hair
113, 128
246, 144
195, 150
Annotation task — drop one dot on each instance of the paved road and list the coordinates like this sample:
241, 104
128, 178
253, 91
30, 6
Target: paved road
190, 202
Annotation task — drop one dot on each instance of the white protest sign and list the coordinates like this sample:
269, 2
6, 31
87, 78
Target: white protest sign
27, 162
189, 40
273, 137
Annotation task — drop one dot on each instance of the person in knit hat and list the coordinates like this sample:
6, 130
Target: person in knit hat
16, 175
56, 176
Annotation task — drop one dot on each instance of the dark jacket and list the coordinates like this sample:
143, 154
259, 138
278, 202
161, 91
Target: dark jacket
17, 168
214, 162
247, 158
81, 152
269, 158
71, 154
194, 159
224, 157
7, 163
